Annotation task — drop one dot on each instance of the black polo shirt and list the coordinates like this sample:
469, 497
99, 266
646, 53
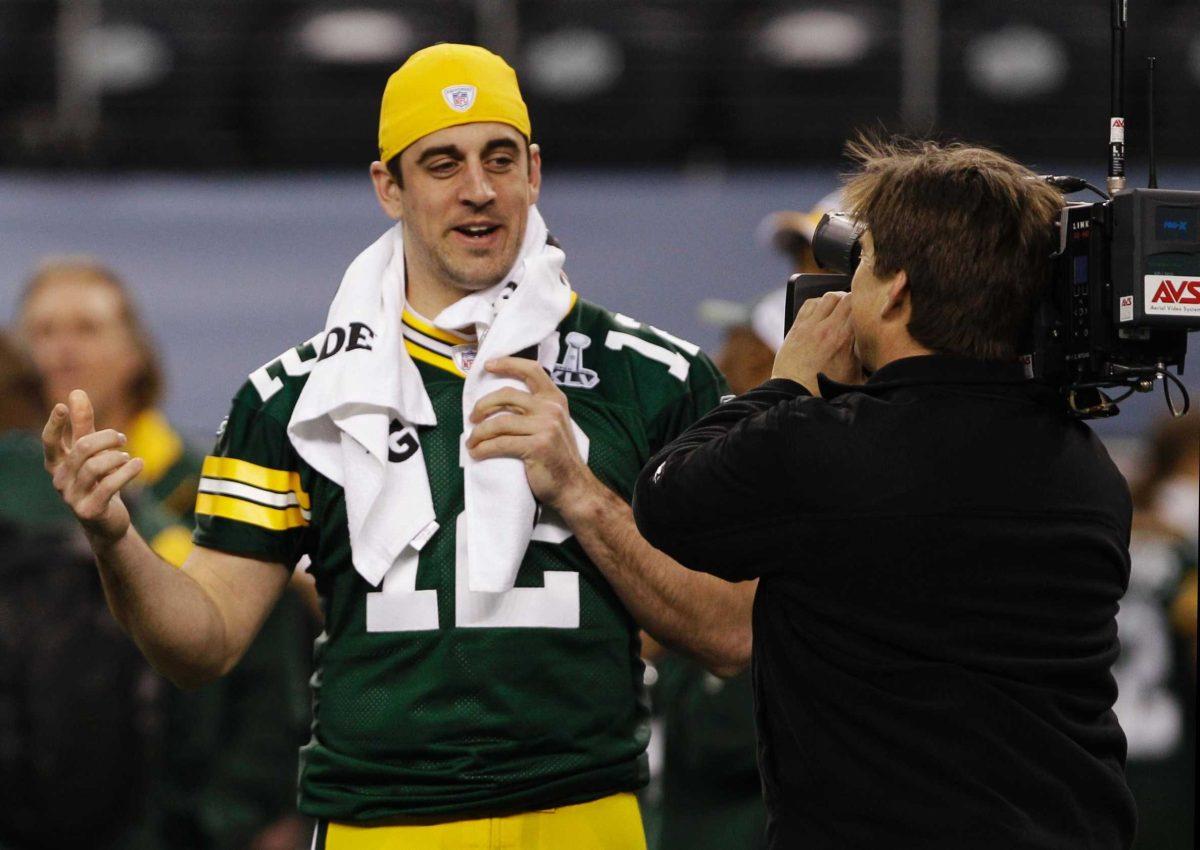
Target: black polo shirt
941, 553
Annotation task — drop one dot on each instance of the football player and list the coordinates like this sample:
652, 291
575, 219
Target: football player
454, 705
226, 774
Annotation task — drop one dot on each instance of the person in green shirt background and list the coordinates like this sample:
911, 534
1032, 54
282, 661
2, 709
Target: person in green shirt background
223, 774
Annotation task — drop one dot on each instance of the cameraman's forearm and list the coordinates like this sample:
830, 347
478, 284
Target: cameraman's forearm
700, 497
167, 613
695, 613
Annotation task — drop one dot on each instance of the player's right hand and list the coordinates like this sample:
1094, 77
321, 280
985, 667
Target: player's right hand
89, 467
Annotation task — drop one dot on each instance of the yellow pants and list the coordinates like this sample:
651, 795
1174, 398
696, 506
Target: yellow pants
610, 823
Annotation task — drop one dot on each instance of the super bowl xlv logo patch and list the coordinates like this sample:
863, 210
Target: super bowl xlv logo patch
570, 371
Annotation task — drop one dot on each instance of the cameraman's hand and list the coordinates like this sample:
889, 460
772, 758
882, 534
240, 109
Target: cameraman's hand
821, 340
89, 468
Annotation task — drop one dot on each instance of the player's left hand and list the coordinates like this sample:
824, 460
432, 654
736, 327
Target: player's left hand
534, 426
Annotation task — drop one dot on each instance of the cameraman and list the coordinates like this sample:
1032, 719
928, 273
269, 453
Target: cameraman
940, 550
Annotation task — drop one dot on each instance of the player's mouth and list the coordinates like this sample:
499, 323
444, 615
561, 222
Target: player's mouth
69, 376
479, 234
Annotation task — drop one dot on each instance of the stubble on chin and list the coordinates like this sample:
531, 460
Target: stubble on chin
474, 275
470, 279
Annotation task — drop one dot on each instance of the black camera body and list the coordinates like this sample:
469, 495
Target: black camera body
1123, 294
836, 247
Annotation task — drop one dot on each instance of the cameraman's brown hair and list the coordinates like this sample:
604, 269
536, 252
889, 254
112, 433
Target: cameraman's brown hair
147, 389
969, 226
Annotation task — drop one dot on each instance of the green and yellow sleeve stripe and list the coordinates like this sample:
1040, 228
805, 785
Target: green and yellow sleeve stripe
257, 495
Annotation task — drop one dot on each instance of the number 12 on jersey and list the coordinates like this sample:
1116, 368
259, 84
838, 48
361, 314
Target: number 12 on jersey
400, 607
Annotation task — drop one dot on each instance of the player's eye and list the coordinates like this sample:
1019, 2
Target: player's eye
500, 162
442, 167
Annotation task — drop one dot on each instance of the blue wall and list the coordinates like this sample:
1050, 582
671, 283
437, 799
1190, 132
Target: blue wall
231, 271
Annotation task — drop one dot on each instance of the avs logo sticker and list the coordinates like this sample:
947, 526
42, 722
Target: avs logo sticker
1126, 308
459, 98
1172, 295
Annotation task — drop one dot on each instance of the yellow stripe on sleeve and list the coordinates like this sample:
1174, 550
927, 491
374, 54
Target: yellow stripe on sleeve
279, 480
228, 507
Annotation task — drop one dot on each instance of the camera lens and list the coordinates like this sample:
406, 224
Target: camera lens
836, 245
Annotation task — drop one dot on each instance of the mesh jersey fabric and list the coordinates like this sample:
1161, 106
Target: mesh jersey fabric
463, 718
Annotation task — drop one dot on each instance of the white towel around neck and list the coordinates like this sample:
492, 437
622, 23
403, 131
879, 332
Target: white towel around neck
365, 400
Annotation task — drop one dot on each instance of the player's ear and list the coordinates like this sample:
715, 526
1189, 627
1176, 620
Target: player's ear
535, 173
387, 190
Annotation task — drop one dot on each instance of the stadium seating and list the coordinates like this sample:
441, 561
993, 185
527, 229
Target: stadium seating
166, 77
798, 78
319, 69
620, 81
296, 83
1033, 77
27, 88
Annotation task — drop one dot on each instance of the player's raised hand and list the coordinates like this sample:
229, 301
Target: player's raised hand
89, 467
537, 430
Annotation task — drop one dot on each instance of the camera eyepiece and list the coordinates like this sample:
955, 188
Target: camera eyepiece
837, 243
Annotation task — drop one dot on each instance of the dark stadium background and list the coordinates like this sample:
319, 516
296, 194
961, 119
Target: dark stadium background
215, 151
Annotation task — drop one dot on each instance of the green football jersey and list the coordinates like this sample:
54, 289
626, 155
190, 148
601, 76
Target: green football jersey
534, 705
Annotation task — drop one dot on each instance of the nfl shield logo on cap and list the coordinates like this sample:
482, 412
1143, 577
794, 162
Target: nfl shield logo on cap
459, 98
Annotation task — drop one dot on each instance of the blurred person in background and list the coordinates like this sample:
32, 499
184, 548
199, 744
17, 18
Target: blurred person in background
20, 448
464, 691
1157, 626
1168, 494
791, 232
709, 794
754, 332
20, 389
80, 714
81, 329
228, 763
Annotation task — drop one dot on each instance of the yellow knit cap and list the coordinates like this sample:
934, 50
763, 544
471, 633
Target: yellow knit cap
446, 85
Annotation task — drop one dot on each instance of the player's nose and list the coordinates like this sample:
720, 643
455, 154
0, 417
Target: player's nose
476, 188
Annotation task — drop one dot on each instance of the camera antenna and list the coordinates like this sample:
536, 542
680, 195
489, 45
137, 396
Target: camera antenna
1150, 126
1116, 107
